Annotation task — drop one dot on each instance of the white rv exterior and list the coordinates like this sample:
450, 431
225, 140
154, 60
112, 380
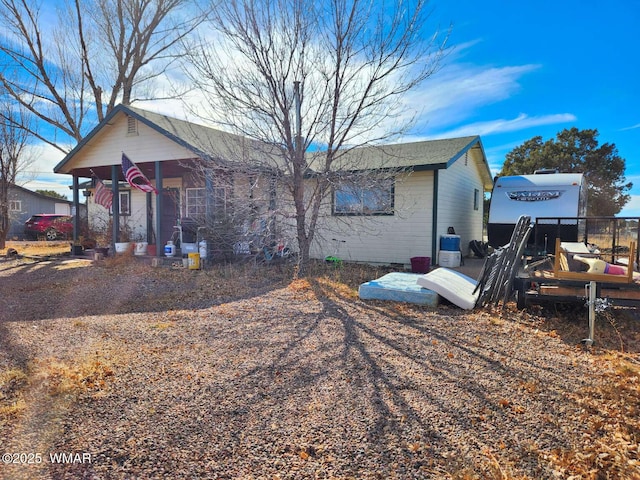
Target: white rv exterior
539, 195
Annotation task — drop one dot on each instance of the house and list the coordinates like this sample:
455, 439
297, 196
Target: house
23, 203
203, 175
435, 186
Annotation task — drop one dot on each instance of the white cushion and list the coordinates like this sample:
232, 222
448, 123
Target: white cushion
454, 286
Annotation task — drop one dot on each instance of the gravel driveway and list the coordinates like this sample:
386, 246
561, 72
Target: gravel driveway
168, 373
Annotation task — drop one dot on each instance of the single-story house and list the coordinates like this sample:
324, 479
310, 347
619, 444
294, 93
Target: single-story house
23, 203
429, 187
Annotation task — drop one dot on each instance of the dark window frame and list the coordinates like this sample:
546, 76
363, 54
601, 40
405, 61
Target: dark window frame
126, 213
361, 194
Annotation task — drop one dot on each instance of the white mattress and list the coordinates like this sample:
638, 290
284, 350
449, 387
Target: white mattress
454, 286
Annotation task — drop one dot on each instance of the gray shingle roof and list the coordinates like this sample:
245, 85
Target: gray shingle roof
208, 142
430, 154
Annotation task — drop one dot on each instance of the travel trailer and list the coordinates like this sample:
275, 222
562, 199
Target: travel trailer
562, 196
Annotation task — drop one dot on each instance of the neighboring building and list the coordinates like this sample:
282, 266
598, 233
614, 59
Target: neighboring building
23, 203
436, 185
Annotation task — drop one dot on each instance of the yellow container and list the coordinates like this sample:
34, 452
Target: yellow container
194, 261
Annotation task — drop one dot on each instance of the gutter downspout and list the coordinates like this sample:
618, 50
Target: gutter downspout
434, 218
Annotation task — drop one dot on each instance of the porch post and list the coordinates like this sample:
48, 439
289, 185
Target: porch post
76, 207
159, 248
149, 210
115, 176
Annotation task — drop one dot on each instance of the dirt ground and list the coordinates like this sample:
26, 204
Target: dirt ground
245, 372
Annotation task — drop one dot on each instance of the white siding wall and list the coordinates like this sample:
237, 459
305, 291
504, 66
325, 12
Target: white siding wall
383, 239
99, 216
456, 187
106, 147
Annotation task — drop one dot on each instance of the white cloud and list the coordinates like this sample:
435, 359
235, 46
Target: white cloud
521, 122
39, 175
631, 209
633, 127
454, 93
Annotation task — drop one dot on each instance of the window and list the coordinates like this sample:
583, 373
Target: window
125, 202
219, 201
374, 199
196, 202
15, 205
476, 199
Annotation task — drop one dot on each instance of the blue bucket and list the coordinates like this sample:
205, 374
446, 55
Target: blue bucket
450, 243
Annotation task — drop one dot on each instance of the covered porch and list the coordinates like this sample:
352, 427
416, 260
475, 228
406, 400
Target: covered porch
163, 212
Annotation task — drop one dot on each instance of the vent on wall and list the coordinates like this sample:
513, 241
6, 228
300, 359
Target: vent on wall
132, 126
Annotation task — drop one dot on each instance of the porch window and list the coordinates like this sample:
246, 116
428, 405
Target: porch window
219, 200
377, 198
125, 203
196, 202
15, 205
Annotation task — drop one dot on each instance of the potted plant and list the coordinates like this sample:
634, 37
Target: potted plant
141, 246
151, 248
124, 243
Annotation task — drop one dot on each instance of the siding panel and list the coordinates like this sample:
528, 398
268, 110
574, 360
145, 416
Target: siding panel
383, 239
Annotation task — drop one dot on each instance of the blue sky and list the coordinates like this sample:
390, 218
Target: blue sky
518, 70
546, 66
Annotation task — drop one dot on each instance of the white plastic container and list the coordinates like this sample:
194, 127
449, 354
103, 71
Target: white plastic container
202, 249
169, 249
122, 247
187, 248
449, 259
141, 248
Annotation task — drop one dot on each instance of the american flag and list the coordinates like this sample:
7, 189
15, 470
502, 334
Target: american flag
135, 177
103, 196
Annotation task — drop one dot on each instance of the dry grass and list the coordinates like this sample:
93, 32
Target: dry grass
38, 248
12, 383
61, 377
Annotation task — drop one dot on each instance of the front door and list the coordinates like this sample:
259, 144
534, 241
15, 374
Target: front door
170, 214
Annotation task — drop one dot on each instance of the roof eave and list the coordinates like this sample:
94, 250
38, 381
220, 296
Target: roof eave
110, 116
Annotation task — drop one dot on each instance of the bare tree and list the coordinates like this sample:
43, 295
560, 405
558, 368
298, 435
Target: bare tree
71, 72
300, 74
14, 158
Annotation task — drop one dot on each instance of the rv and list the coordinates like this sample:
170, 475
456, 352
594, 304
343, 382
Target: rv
562, 196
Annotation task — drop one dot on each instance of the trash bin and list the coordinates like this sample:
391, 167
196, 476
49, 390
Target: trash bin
194, 261
420, 264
